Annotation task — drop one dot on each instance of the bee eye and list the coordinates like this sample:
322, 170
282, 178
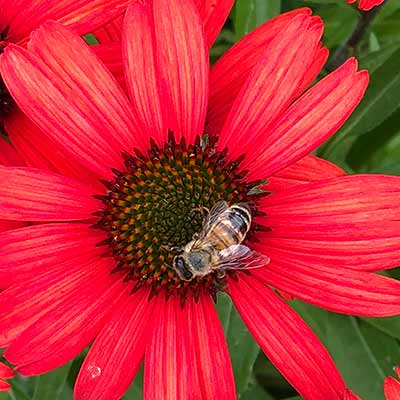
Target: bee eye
182, 270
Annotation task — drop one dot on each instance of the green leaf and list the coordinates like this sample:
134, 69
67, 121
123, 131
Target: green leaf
339, 22
388, 30
388, 9
374, 59
22, 388
271, 379
255, 392
381, 100
14, 394
50, 386
294, 398
90, 39
364, 355
388, 325
377, 149
136, 389
251, 13
242, 347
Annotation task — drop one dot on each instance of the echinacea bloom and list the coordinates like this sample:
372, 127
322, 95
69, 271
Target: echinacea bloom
5, 373
391, 386
96, 270
366, 5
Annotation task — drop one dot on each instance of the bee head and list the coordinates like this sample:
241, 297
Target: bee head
181, 268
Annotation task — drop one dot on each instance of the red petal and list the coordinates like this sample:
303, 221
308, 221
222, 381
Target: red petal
110, 32
307, 169
358, 254
230, 72
214, 14
110, 54
82, 15
39, 151
140, 69
64, 331
313, 118
35, 195
351, 222
353, 207
34, 249
81, 107
335, 289
187, 356
182, 62
287, 341
271, 86
315, 67
8, 155
24, 303
310, 168
6, 225
117, 352
367, 5
211, 351
62, 50
4, 386
168, 367
23, 134
392, 388
5, 371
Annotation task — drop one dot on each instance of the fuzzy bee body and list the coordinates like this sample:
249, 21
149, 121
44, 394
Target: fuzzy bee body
218, 246
230, 227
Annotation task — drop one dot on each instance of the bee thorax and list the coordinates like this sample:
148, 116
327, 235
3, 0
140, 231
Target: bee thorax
199, 260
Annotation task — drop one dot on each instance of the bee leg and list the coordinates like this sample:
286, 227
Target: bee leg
221, 282
195, 236
172, 249
204, 210
221, 275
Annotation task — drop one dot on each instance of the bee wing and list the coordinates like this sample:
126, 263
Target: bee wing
217, 209
239, 256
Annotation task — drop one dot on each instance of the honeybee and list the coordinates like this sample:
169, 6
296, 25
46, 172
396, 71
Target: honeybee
218, 246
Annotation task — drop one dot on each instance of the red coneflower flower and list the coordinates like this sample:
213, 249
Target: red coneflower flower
325, 233
5, 373
366, 5
391, 386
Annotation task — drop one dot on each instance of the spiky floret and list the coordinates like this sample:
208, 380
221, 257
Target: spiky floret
157, 201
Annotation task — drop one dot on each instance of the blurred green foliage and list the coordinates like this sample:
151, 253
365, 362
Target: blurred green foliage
365, 350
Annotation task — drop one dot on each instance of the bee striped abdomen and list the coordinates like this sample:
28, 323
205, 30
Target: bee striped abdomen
232, 226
